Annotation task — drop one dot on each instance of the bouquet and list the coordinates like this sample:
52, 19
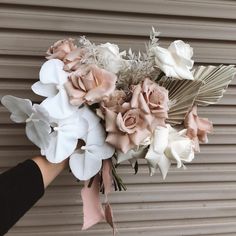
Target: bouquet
103, 107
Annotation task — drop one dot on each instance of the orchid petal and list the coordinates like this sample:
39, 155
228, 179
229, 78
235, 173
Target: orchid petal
61, 146
40, 113
90, 116
52, 72
59, 107
64, 138
96, 136
38, 133
20, 108
84, 165
45, 90
103, 152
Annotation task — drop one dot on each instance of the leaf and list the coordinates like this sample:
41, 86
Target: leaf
215, 81
182, 94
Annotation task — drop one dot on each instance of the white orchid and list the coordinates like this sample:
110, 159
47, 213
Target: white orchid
87, 161
110, 57
176, 60
167, 144
64, 137
51, 85
35, 116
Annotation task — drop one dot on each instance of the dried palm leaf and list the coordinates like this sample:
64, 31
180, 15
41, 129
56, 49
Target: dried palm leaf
215, 81
182, 94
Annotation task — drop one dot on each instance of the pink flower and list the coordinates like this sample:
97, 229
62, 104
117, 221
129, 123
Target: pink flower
73, 59
197, 128
113, 102
153, 100
126, 128
89, 84
60, 49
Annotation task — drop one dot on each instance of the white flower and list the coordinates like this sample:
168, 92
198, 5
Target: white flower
176, 60
180, 147
132, 155
155, 155
64, 137
110, 57
168, 144
87, 161
51, 85
36, 118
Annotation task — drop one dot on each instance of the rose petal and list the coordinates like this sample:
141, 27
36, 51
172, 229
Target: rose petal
139, 136
120, 141
76, 96
110, 117
106, 85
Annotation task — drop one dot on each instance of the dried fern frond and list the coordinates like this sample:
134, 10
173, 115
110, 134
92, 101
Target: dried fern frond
215, 81
182, 94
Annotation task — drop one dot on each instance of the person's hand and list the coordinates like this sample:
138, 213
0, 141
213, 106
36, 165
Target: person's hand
49, 170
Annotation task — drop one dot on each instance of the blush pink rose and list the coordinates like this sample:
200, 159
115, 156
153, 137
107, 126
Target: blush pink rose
60, 49
73, 59
197, 128
113, 102
152, 99
126, 128
89, 84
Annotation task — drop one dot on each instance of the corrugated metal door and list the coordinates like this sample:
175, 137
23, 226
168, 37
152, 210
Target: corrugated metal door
198, 201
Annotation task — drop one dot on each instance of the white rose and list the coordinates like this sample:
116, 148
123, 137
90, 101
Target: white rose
180, 148
176, 60
110, 57
167, 144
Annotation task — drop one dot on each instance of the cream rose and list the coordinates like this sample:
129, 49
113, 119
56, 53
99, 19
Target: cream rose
110, 57
176, 60
89, 85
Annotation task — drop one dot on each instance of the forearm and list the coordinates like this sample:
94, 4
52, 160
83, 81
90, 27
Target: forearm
22, 186
49, 170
